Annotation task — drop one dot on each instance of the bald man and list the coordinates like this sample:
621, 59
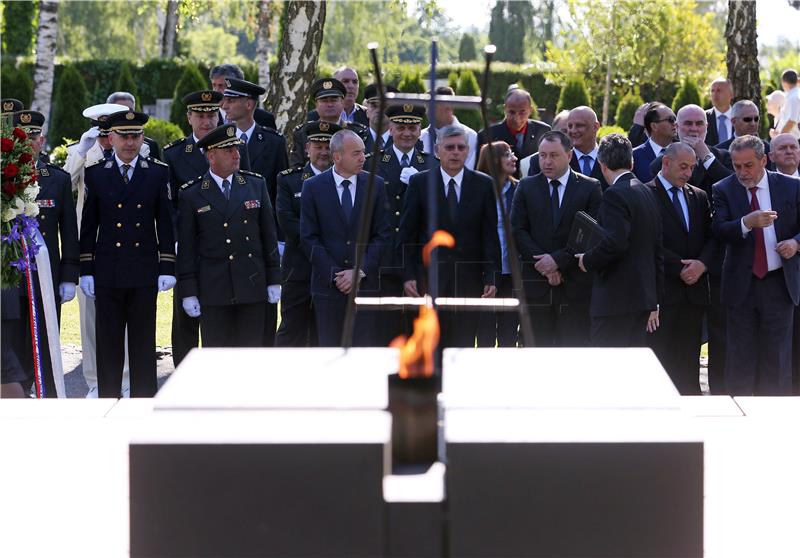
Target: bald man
720, 126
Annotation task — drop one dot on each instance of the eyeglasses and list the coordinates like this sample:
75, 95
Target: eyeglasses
455, 147
750, 118
670, 119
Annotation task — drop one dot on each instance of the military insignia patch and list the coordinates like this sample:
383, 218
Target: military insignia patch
298, 195
324, 126
420, 159
189, 148
204, 209
169, 192
228, 83
241, 180
260, 137
8, 106
145, 165
230, 132
46, 203
130, 116
408, 108
306, 175
252, 204
327, 84
205, 96
108, 164
25, 118
44, 172
103, 118
205, 185
386, 158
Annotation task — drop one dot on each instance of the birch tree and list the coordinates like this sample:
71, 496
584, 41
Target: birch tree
47, 31
742, 55
266, 16
170, 29
298, 53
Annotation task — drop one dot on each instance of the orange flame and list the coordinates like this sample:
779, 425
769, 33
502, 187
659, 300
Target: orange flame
416, 352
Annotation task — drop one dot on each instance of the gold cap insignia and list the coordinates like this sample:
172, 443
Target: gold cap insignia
130, 116
327, 84
228, 83
25, 118
8, 105
324, 126
408, 108
230, 132
206, 97
102, 118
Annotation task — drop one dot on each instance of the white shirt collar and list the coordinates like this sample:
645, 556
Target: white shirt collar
764, 182
726, 113
249, 131
620, 175
400, 154
219, 179
665, 183
446, 177
563, 179
655, 147
454, 122
338, 178
579, 153
315, 170
120, 162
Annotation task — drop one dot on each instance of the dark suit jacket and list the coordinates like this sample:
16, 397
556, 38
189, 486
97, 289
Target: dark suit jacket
228, 248
629, 261
643, 156
186, 162
331, 238
637, 135
58, 223
535, 233
731, 203
261, 116
712, 135
155, 150
473, 262
702, 177
126, 235
298, 155
696, 244
296, 264
726, 145
360, 115
266, 151
575, 165
530, 145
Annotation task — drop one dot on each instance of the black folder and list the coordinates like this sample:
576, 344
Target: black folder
586, 233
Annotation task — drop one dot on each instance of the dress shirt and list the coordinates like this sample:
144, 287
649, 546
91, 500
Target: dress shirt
132, 165
384, 135
501, 232
770, 238
728, 123
681, 197
194, 137
577, 153
338, 178
315, 170
400, 154
248, 132
563, 179
657, 149
458, 178
345, 117
472, 141
219, 179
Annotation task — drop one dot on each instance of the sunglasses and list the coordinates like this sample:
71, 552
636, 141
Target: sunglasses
455, 147
750, 118
670, 119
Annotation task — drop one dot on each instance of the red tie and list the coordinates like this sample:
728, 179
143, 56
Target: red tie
760, 257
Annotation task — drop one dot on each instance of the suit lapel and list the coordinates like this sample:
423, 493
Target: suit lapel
567, 199
666, 200
333, 200
238, 194
196, 159
256, 145
742, 198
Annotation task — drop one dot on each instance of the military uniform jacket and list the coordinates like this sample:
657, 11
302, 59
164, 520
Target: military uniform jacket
389, 169
57, 218
296, 264
186, 162
298, 155
266, 153
228, 248
126, 234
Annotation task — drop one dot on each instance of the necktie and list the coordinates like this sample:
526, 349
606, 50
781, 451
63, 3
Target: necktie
107, 152
554, 201
347, 199
452, 200
125, 169
663, 149
677, 203
509, 198
722, 128
244, 156
404, 161
760, 267
520, 140
586, 164
226, 189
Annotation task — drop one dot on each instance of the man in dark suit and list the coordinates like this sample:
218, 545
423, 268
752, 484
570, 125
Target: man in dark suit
187, 162
637, 133
745, 121
757, 217
228, 258
628, 263
376, 118
59, 229
351, 110
466, 209
263, 152
688, 253
217, 76
399, 161
329, 95
517, 129
720, 127
127, 255
659, 122
298, 326
542, 215
332, 208
582, 126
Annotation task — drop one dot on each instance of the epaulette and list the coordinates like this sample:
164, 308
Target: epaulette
251, 173
356, 126
300, 126
292, 170
192, 181
157, 161
174, 143
56, 168
71, 144
368, 155
270, 130
90, 165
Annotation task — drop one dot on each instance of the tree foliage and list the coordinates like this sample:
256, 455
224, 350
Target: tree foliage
162, 131
687, 94
17, 84
412, 82
191, 80
466, 48
19, 27
574, 94
125, 82
508, 27
70, 99
468, 85
627, 109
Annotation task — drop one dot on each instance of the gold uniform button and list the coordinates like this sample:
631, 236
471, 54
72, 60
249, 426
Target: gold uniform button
138, 206
398, 197
227, 240
397, 229
136, 244
138, 225
119, 225
247, 238
230, 257
44, 234
119, 244
225, 225
249, 255
245, 221
119, 205
41, 216
397, 213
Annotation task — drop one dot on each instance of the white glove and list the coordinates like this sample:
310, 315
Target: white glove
191, 306
87, 285
407, 173
66, 291
166, 282
87, 140
273, 293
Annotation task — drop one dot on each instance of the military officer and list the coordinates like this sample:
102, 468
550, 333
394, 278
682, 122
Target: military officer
328, 94
59, 229
401, 159
127, 254
187, 162
376, 118
228, 258
298, 326
264, 153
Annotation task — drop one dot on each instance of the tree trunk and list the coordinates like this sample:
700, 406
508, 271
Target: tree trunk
45, 58
170, 30
297, 62
742, 57
265, 15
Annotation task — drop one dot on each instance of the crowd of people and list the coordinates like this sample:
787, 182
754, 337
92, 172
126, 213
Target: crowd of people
700, 221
